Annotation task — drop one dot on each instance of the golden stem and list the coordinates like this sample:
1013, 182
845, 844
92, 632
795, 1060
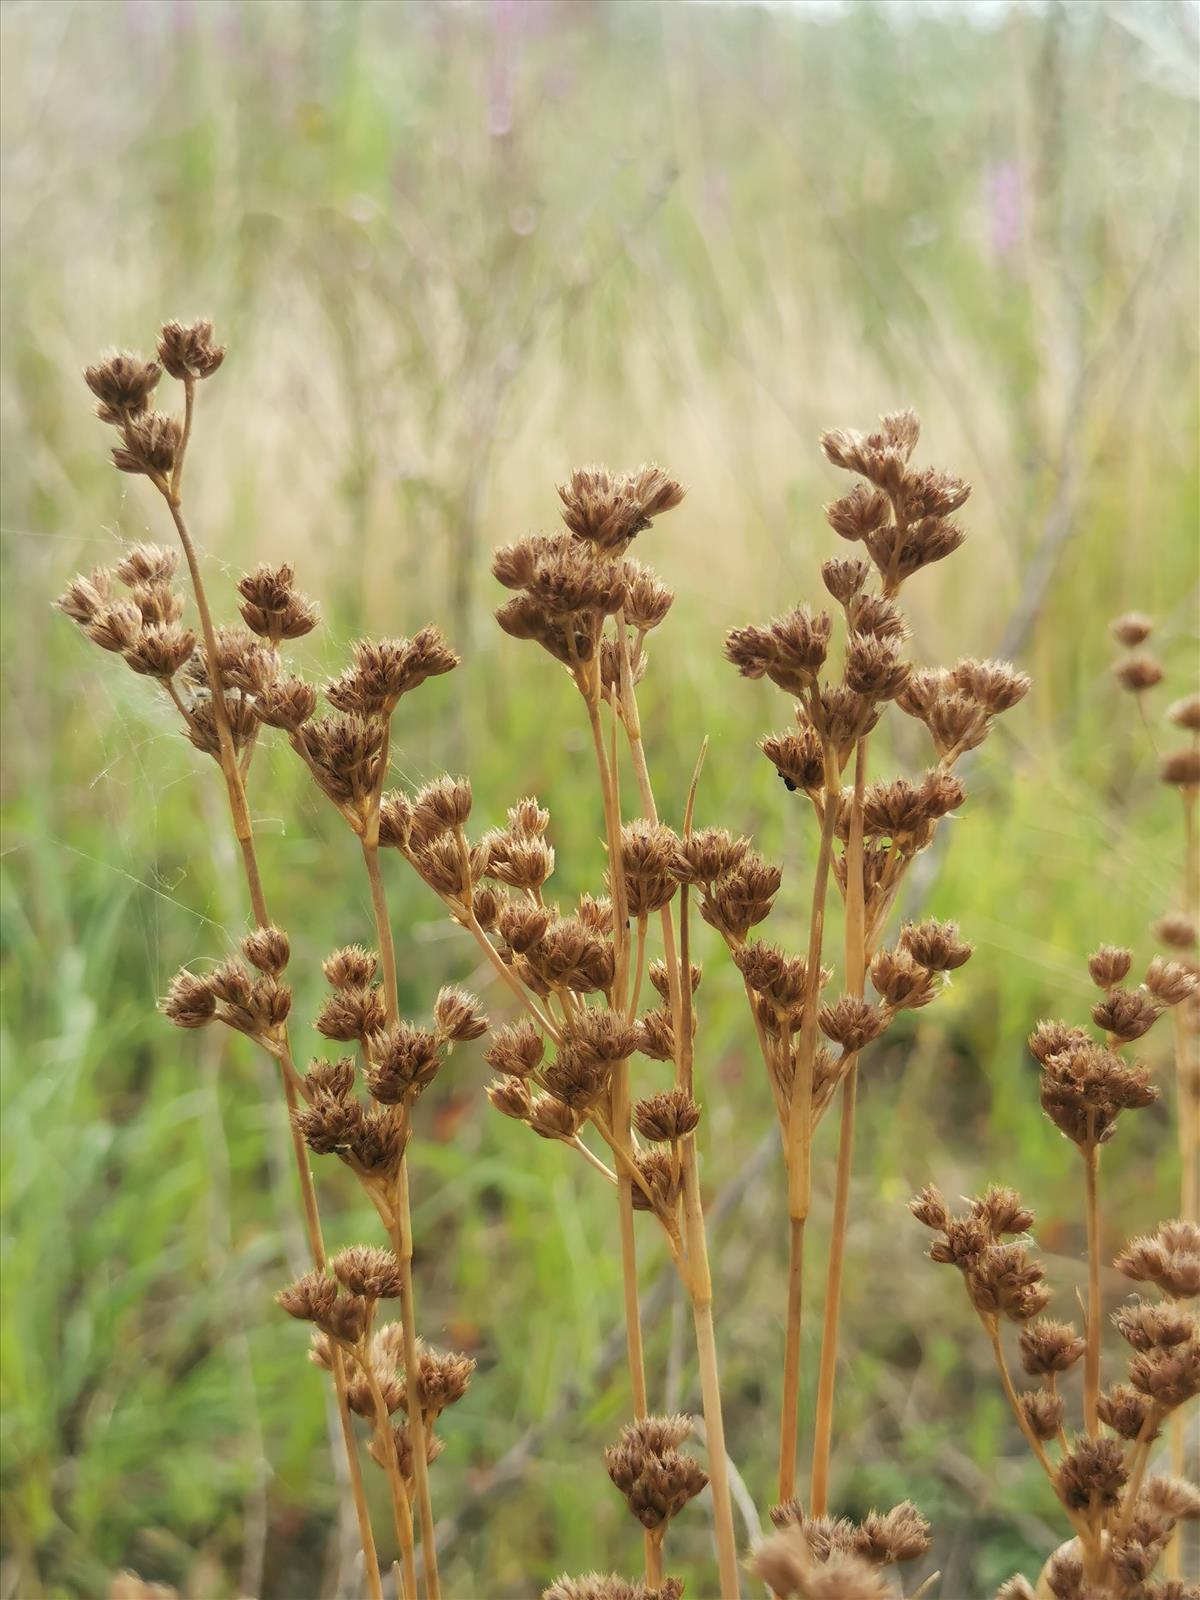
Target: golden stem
401, 1511
1091, 1368
856, 968
402, 1245
799, 1143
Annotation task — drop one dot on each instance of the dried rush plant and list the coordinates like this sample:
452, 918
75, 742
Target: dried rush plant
564, 1068
1138, 672
225, 687
1122, 1518
869, 834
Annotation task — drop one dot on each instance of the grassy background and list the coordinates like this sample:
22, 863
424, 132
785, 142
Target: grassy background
455, 249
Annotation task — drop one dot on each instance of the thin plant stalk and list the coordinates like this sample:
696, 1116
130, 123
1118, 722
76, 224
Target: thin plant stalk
1091, 1368
400, 1229
856, 972
620, 1108
799, 1145
699, 1278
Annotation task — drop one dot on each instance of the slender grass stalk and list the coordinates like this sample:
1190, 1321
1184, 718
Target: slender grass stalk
1091, 1366
856, 972
799, 1150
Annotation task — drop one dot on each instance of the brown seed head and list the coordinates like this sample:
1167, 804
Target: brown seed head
844, 578
189, 350
1043, 1412
150, 444
797, 756
1050, 1346
935, 945
1169, 1258
851, 1022
553, 1118
661, 1177
511, 1097
404, 1060
930, 1208
371, 1272
873, 668
351, 967
1003, 1211
1132, 629
607, 509
1092, 1475
286, 703
1148, 1325
743, 897
268, 949
147, 563
122, 383
1138, 673
516, 1049
1170, 982
1185, 713
901, 981
459, 1015
670, 1115
1177, 930
1108, 965
1126, 1014
890, 1537
708, 854
996, 686
1125, 1411
161, 650
649, 851
310, 1298
353, 1011
332, 1078
1181, 768
85, 596
190, 1001
660, 978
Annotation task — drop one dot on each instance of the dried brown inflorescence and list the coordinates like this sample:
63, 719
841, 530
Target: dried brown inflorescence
226, 683
1122, 1519
870, 833
580, 972
833, 1558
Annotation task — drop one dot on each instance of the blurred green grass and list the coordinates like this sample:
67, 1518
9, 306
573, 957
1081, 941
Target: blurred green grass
455, 249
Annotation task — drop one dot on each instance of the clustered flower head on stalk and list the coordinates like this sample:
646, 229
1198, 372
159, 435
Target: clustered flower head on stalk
833, 1558
227, 682
564, 1069
870, 833
1123, 1518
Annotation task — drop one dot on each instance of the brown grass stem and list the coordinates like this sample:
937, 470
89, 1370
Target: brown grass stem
856, 968
799, 1145
1091, 1368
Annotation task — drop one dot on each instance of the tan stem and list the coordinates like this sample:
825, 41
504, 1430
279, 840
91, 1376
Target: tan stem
856, 971
699, 1279
799, 1146
244, 832
401, 1232
1091, 1360
402, 1244
383, 930
789, 1423
401, 1510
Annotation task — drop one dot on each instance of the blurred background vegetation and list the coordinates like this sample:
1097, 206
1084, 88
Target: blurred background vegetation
455, 249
